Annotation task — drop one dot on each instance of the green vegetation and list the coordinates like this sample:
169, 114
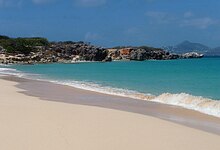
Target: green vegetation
22, 45
3, 37
120, 47
147, 48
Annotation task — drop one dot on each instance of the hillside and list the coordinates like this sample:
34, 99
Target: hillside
186, 47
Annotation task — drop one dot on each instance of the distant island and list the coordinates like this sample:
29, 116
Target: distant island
40, 50
187, 46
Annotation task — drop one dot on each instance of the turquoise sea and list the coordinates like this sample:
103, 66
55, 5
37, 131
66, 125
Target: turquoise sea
190, 83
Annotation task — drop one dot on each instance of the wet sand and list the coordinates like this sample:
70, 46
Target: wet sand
41, 115
61, 93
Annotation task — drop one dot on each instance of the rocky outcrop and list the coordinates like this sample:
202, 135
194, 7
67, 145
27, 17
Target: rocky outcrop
71, 52
191, 55
62, 52
114, 54
140, 54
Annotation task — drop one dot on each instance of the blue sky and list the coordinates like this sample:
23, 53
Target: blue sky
114, 22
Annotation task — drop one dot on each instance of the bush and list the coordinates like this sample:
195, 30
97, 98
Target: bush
22, 45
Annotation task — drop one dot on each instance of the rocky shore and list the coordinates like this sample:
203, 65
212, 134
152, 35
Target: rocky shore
72, 52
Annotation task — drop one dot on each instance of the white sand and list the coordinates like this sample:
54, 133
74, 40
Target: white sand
28, 123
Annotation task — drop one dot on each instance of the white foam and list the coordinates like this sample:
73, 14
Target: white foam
103, 89
7, 69
4, 65
10, 71
204, 105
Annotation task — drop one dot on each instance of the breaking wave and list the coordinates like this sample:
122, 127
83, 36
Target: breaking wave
197, 103
10, 71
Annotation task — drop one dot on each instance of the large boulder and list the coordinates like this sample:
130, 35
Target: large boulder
138, 54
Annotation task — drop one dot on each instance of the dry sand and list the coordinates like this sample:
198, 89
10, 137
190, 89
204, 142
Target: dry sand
28, 123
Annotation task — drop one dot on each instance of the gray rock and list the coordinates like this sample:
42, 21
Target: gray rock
191, 55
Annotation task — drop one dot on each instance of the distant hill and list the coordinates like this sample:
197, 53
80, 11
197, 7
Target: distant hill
187, 46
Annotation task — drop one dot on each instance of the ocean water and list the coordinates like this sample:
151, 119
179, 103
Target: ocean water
191, 83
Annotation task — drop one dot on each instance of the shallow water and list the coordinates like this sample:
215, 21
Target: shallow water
192, 83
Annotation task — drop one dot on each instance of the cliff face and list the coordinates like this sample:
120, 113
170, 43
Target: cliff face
64, 52
140, 54
80, 50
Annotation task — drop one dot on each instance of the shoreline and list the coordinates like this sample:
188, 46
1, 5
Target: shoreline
191, 97
30, 122
203, 104
66, 94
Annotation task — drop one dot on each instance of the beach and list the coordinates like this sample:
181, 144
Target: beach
142, 75
42, 122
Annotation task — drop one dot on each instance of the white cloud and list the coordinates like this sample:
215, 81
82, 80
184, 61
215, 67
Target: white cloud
90, 3
156, 14
152, 1
149, 0
188, 19
188, 14
201, 23
160, 17
132, 31
91, 36
42, 1
10, 3
81, 3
